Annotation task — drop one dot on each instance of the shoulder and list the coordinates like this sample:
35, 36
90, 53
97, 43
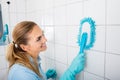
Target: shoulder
19, 72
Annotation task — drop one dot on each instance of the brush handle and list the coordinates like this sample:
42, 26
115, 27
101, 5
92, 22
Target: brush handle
83, 42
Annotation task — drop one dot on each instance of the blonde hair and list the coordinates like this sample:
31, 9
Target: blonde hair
15, 54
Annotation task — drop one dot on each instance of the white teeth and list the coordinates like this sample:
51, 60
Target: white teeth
43, 45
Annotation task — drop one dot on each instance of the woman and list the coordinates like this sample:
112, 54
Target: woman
23, 55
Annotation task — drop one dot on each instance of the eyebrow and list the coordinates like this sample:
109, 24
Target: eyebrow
40, 35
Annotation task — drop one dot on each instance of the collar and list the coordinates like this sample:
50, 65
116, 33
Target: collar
32, 60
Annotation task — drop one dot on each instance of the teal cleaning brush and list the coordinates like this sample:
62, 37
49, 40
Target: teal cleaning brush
83, 41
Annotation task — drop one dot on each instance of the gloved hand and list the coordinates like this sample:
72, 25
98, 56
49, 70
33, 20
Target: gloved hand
77, 64
76, 67
51, 73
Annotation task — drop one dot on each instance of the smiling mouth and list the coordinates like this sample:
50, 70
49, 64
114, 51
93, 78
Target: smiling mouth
43, 45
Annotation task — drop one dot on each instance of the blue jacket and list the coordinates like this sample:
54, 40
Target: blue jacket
20, 72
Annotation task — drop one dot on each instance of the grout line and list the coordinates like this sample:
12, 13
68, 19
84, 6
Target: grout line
53, 59
79, 25
97, 75
106, 52
62, 5
105, 38
26, 9
66, 45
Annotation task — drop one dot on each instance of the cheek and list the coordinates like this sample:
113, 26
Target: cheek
38, 46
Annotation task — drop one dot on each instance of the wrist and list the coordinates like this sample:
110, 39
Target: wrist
68, 75
72, 73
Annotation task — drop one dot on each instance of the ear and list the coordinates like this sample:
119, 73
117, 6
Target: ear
24, 47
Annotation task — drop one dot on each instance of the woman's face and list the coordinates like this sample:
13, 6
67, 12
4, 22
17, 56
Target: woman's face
36, 42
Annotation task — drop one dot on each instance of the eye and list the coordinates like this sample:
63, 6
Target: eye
39, 38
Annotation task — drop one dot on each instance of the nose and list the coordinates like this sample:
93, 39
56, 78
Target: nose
44, 39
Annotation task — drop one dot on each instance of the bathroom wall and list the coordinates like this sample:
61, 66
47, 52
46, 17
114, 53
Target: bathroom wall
60, 20
12, 13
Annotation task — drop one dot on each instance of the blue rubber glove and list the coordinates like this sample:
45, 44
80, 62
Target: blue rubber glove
76, 67
51, 73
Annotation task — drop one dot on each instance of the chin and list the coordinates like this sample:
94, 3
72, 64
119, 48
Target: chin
43, 49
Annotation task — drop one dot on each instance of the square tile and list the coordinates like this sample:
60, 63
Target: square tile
112, 39
72, 35
3, 62
49, 34
112, 69
20, 17
95, 62
50, 64
57, 3
74, 13
74, 1
72, 53
113, 16
61, 35
49, 17
61, 53
2, 50
94, 9
60, 15
19, 7
3, 74
50, 52
99, 39
88, 76
60, 68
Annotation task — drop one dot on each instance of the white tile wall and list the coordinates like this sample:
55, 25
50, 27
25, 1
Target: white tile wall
74, 13
95, 62
60, 68
3, 64
60, 15
13, 13
61, 35
2, 50
113, 12
89, 76
112, 39
13, 19
72, 35
49, 34
37, 4
19, 7
59, 3
60, 19
50, 64
3, 75
20, 17
61, 53
96, 10
71, 53
112, 67
12, 6
100, 39
48, 16
50, 51
74, 1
